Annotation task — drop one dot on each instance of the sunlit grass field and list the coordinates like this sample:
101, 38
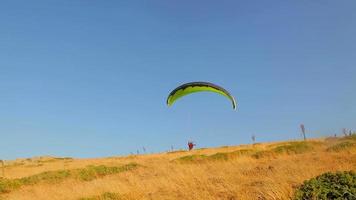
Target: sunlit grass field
260, 171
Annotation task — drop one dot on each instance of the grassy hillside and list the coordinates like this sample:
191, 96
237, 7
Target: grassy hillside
260, 171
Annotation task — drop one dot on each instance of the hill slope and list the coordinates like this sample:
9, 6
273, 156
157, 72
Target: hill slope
260, 171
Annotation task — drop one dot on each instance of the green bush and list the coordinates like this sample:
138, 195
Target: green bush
263, 154
339, 185
341, 146
229, 155
293, 148
92, 172
219, 156
50, 177
7, 185
191, 158
84, 174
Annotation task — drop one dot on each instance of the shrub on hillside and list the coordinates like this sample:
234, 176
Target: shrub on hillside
7, 185
351, 137
230, 155
84, 174
341, 146
263, 154
219, 156
191, 158
92, 172
49, 176
293, 148
339, 185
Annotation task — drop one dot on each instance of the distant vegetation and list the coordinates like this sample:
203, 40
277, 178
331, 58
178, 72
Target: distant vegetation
339, 185
83, 174
192, 158
37, 161
293, 148
263, 154
343, 146
220, 156
104, 196
231, 155
177, 151
351, 137
288, 148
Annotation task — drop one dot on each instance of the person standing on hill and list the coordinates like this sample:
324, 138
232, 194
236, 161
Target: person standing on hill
190, 145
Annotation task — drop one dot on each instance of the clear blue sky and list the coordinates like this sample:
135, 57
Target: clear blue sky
90, 78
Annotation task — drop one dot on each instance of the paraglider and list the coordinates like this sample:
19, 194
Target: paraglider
194, 87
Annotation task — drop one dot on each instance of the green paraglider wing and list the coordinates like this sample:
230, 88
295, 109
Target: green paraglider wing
194, 87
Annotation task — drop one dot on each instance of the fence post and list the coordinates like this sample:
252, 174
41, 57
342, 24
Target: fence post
253, 137
2, 168
303, 131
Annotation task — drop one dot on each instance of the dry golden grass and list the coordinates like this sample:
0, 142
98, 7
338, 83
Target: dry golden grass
227, 175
